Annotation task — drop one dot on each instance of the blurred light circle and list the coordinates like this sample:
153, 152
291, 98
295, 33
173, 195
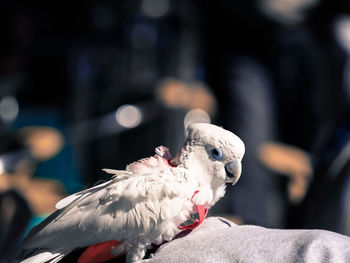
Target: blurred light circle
155, 8
342, 32
128, 116
8, 109
196, 116
286, 11
2, 167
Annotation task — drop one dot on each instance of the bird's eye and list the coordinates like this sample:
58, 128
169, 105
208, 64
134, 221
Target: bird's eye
216, 153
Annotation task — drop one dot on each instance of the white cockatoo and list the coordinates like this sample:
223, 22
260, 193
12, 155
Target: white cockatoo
145, 204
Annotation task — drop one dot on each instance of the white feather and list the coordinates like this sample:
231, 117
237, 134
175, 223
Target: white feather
42, 255
111, 171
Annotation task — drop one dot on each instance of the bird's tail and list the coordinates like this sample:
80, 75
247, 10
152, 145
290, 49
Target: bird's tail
41, 256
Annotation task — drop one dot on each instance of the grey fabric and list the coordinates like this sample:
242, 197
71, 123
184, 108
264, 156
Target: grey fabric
219, 240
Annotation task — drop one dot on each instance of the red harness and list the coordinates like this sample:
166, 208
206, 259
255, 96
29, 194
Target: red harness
99, 253
202, 213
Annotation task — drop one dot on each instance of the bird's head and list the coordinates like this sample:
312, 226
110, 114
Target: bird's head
214, 150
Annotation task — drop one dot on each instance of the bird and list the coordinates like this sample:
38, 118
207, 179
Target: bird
147, 203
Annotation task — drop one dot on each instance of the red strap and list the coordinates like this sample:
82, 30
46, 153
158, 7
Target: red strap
99, 253
171, 164
202, 213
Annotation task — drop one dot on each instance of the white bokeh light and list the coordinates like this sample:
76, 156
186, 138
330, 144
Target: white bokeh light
155, 8
342, 32
2, 167
196, 116
8, 109
128, 116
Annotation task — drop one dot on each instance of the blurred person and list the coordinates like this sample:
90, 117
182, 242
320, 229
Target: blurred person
269, 79
327, 204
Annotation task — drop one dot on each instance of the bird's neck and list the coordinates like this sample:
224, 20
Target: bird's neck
218, 192
196, 164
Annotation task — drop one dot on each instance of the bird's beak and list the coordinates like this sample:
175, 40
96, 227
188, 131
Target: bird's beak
233, 171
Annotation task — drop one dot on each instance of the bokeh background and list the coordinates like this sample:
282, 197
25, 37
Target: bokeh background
86, 85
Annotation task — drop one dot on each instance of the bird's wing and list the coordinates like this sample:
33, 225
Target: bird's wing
123, 208
67, 200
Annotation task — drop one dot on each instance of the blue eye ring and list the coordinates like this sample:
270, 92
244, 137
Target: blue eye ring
216, 154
